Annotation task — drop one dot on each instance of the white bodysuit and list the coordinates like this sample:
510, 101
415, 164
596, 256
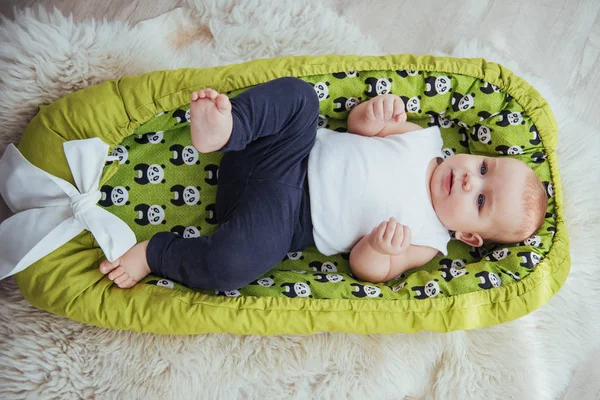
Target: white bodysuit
356, 182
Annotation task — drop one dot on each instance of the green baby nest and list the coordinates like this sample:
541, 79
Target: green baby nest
161, 183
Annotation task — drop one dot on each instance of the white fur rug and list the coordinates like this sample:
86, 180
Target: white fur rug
551, 353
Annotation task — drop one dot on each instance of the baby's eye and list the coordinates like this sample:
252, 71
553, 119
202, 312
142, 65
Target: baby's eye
480, 201
483, 168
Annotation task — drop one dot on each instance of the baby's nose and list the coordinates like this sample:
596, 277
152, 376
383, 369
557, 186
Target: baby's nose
466, 182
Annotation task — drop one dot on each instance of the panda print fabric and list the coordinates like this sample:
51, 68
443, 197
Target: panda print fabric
163, 184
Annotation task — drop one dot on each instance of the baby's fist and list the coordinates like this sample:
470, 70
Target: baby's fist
390, 237
386, 108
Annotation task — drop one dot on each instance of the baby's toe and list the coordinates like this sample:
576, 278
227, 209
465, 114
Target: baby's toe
122, 279
223, 103
194, 96
117, 272
127, 283
211, 94
107, 266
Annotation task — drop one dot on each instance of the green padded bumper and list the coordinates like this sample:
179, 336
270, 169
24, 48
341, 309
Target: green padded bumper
67, 282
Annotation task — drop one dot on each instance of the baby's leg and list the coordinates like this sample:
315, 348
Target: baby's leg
260, 193
254, 239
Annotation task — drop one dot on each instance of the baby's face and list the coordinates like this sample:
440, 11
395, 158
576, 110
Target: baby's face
478, 194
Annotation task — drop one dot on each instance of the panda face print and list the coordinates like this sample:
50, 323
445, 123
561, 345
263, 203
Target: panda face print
188, 116
442, 84
534, 241
549, 189
352, 74
458, 263
334, 278
484, 134
155, 173
328, 267
445, 122
121, 152
191, 232
321, 90
447, 152
413, 105
432, 289
498, 255
156, 137
372, 291
466, 102
191, 195
535, 258
119, 196
513, 150
456, 272
514, 118
165, 283
295, 255
301, 289
156, 215
232, 293
322, 121
411, 72
266, 282
494, 279
384, 86
351, 103
189, 155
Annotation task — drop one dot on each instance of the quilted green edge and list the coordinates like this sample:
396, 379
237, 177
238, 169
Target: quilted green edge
65, 283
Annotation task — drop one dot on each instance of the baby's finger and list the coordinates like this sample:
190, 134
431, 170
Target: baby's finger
407, 238
398, 235
389, 230
399, 107
381, 230
389, 108
377, 109
400, 118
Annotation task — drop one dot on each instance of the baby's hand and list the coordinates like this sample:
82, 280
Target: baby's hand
386, 108
390, 237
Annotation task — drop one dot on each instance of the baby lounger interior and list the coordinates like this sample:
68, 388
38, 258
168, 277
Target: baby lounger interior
160, 182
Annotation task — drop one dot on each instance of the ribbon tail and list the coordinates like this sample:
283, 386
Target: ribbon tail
113, 235
86, 160
24, 186
18, 252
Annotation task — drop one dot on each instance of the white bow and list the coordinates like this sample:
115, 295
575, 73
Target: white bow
50, 211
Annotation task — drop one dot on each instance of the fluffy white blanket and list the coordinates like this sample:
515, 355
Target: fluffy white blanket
548, 354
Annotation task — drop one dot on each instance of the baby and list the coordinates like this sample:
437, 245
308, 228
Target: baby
383, 192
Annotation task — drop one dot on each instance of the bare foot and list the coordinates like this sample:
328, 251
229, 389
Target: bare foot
210, 120
130, 268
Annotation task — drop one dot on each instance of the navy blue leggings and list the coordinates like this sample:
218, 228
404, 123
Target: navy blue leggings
262, 202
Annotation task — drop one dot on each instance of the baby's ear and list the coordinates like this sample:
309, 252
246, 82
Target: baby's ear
472, 239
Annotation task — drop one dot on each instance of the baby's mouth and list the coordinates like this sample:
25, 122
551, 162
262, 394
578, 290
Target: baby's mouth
448, 182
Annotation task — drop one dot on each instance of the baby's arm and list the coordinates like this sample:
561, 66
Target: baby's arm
386, 253
380, 116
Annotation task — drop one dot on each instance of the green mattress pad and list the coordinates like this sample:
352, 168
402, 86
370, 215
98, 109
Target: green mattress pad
161, 183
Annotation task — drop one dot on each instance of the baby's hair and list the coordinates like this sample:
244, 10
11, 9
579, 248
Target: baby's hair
534, 203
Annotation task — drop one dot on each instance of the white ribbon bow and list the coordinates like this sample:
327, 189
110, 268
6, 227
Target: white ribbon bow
50, 211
